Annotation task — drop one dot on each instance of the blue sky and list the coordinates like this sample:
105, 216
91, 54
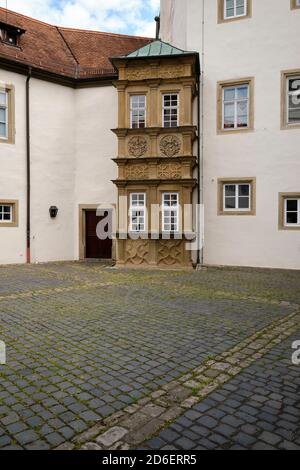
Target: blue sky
119, 16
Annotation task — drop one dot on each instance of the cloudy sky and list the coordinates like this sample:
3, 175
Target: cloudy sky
120, 16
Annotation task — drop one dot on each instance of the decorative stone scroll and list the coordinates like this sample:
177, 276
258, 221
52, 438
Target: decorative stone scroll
170, 146
137, 147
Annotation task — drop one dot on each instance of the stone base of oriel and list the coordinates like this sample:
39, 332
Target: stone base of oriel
163, 254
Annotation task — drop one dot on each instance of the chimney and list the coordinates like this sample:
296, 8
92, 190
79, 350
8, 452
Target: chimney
157, 19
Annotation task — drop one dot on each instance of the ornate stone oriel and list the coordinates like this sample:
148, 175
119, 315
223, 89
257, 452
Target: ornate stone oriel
137, 147
155, 159
170, 146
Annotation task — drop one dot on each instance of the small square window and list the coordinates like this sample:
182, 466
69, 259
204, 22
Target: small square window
289, 211
230, 10
236, 197
8, 213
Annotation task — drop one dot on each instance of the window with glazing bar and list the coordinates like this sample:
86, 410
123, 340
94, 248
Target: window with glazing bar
170, 212
138, 212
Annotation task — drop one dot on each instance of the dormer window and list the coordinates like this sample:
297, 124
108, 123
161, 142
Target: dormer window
10, 34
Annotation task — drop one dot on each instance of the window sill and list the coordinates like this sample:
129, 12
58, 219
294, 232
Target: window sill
289, 229
237, 212
7, 141
8, 225
235, 131
289, 127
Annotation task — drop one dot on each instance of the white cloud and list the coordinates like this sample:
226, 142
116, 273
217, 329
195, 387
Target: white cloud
123, 16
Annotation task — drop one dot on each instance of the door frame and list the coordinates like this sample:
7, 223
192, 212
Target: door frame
83, 208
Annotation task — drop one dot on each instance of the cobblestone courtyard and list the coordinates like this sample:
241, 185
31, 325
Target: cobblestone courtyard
101, 358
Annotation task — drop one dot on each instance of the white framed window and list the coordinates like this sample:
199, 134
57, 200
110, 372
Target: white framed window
170, 212
138, 212
298, 3
138, 111
292, 212
237, 197
6, 213
293, 100
235, 107
170, 115
235, 8
3, 114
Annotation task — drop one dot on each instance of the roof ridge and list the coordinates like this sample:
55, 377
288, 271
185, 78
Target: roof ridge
12, 12
105, 33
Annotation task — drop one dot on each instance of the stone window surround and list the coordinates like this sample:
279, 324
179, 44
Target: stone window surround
221, 9
10, 90
282, 199
15, 213
235, 82
285, 74
294, 5
221, 209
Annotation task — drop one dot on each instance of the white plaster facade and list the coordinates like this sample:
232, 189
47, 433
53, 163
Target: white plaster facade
261, 47
71, 150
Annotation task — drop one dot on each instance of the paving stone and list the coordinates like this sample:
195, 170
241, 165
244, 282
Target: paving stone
112, 436
270, 438
120, 352
217, 422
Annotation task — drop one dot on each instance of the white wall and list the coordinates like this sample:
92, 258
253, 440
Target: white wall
13, 176
261, 46
96, 145
52, 170
71, 150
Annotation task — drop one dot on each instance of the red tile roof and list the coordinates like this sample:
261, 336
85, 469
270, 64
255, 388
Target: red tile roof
68, 52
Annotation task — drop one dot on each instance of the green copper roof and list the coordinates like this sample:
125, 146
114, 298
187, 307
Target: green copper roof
158, 49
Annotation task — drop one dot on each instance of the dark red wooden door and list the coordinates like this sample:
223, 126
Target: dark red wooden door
96, 248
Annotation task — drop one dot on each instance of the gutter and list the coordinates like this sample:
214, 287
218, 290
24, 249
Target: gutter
28, 172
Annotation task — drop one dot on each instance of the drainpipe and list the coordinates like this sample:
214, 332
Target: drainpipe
199, 196
200, 260
28, 182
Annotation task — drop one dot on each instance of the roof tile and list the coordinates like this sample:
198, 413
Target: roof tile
69, 52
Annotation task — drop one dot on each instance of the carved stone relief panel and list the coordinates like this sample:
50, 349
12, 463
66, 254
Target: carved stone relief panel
169, 252
137, 172
165, 71
169, 171
137, 146
137, 252
170, 146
